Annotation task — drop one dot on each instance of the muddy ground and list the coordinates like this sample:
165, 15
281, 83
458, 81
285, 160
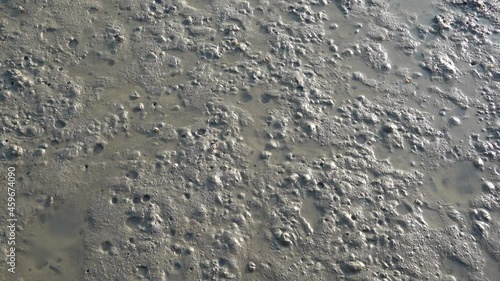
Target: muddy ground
291, 140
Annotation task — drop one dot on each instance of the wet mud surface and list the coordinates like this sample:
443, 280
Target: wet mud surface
175, 140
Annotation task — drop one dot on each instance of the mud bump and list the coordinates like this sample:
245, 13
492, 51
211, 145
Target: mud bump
143, 271
266, 98
73, 43
60, 124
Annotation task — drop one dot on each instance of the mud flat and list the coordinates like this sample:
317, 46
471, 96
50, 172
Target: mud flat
175, 140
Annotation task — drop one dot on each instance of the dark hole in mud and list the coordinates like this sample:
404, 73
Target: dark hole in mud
361, 139
92, 10
111, 62
189, 236
146, 198
73, 43
266, 98
201, 131
246, 97
60, 124
143, 271
132, 175
98, 148
106, 246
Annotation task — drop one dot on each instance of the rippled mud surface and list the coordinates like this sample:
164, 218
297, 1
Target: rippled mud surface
252, 140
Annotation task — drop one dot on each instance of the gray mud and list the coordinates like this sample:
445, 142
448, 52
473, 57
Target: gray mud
175, 140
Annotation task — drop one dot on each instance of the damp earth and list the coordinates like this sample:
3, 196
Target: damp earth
177, 140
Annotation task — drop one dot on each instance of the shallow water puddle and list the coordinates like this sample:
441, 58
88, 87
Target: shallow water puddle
456, 184
53, 244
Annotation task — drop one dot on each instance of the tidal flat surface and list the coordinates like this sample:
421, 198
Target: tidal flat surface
251, 140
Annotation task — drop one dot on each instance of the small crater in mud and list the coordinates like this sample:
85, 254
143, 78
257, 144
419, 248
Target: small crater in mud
143, 271
132, 174
60, 124
98, 148
73, 43
106, 246
266, 98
